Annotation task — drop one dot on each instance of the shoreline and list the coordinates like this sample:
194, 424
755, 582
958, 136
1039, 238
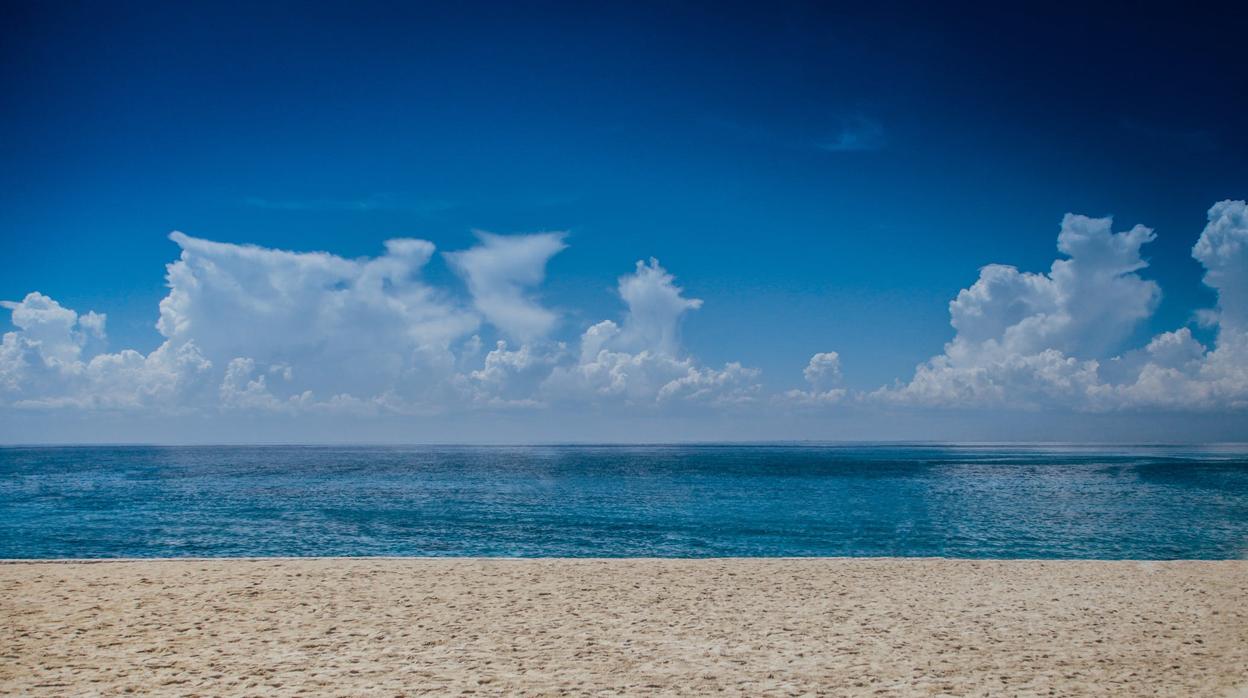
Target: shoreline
743, 626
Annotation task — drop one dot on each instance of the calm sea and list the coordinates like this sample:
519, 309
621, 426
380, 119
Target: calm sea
765, 500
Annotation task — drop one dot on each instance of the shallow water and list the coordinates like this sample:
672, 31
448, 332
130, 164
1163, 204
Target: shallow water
608, 501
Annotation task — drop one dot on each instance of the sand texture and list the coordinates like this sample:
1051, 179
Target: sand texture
570, 627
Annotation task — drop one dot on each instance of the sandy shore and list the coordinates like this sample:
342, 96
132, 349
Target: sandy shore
744, 626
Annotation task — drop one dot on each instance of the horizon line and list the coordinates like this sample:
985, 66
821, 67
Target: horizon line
602, 444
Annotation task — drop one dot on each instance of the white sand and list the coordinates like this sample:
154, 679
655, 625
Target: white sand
739, 626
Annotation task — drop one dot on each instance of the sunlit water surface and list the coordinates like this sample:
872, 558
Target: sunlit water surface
680, 501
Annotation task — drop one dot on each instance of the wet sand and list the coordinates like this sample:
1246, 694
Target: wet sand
737, 626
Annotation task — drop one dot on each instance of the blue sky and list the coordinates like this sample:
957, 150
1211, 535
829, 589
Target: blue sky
822, 178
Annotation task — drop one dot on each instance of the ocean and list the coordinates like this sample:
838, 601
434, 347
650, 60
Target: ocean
961, 501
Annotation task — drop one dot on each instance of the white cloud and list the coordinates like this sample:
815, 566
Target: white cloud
640, 363
823, 373
498, 273
1179, 373
1017, 333
56, 333
655, 307
344, 327
240, 389
824, 370
171, 377
261, 330
1223, 250
1030, 340
256, 329
732, 385
1084, 306
42, 364
648, 379
511, 378
282, 330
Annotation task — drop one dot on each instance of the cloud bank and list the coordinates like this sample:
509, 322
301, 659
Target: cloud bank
250, 328
247, 329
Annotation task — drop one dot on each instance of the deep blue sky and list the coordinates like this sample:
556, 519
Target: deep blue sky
823, 177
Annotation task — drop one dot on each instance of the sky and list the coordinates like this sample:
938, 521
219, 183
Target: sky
302, 222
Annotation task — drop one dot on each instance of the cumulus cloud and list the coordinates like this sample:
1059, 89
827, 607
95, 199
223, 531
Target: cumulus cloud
499, 273
655, 307
247, 328
639, 361
1179, 372
1085, 304
1046, 340
1017, 333
824, 370
512, 377
43, 364
59, 333
823, 374
257, 329
344, 327
1223, 250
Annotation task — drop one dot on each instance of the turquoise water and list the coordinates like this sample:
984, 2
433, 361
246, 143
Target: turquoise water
765, 500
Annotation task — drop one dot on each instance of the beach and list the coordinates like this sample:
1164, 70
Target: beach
837, 626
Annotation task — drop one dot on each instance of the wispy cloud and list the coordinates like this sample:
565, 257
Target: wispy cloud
858, 134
